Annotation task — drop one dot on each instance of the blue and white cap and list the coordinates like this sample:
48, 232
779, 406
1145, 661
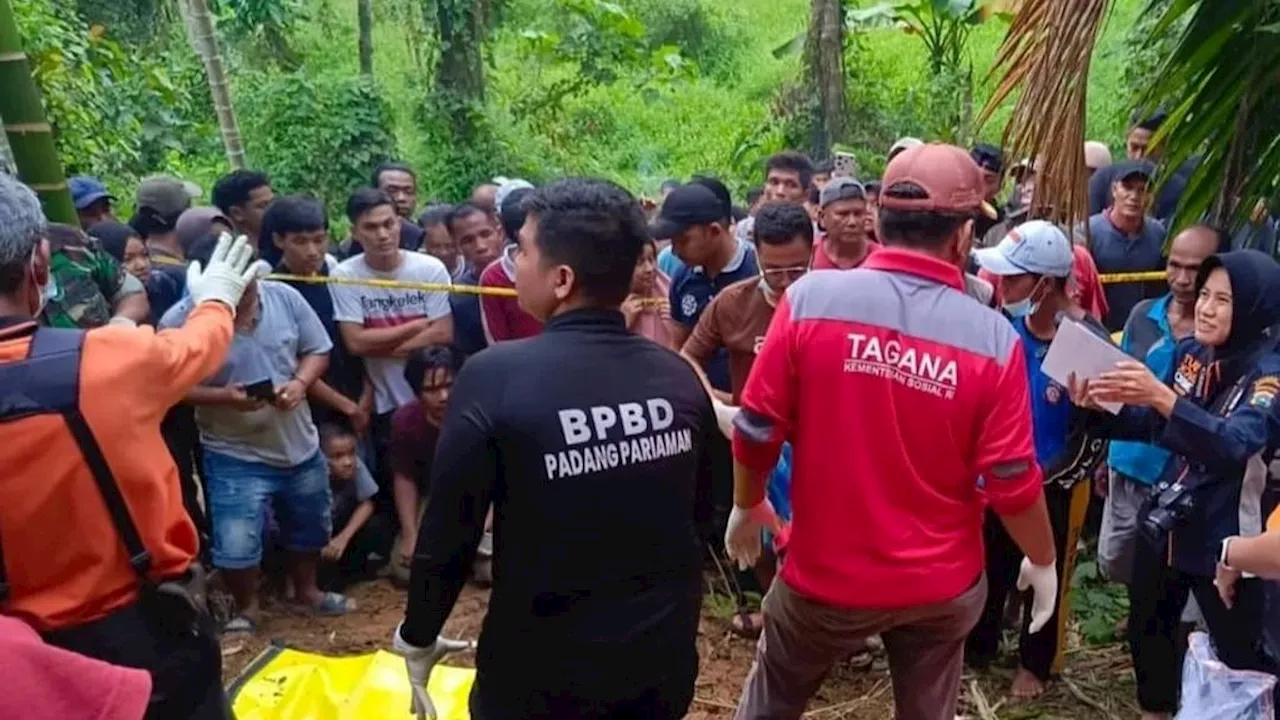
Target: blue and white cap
1037, 247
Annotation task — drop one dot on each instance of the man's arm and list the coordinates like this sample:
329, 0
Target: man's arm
438, 332
180, 357
1006, 462
359, 517
1259, 555
462, 481
768, 402
702, 343
323, 392
378, 342
404, 491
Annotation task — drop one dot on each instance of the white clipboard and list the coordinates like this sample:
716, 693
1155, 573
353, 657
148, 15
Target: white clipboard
1078, 350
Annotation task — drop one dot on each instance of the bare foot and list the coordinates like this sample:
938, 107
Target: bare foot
1026, 685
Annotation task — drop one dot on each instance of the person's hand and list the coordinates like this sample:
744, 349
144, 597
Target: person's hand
290, 395
335, 549
1043, 581
1225, 580
359, 418
663, 306
1131, 383
419, 663
724, 417
631, 309
238, 399
122, 321
1080, 393
742, 536
231, 269
408, 543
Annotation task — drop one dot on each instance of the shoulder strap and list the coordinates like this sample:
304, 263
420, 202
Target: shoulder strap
59, 351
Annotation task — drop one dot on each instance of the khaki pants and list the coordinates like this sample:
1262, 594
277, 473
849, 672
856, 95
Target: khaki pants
802, 639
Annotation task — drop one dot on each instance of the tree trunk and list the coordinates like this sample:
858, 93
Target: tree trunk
205, 43
364, 15
824, 59
30, 135
460, 74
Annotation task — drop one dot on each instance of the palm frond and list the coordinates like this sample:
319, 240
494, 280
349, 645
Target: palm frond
1044, 60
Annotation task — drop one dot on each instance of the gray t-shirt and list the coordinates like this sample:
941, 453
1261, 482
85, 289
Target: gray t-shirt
1115, 252
348, 496
378, 307
287, 329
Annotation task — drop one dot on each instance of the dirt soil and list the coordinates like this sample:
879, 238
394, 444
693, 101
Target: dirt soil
1096, 684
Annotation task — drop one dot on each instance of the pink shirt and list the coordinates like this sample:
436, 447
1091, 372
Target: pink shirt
652, 323
823, 261
502, 317
43, 682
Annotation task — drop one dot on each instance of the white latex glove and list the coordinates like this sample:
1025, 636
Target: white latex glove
742, 536
419, 662
724, 417
1043, 581
122, 321
230, 271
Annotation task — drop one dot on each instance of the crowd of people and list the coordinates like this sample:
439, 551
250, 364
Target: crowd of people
587, 399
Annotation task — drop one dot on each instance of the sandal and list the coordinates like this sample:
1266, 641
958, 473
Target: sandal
745, 625
240, 624
331, 604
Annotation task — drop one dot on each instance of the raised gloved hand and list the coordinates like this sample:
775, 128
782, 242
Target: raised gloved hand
742, 537
1043, 581
231, 269
724, 417
419, 662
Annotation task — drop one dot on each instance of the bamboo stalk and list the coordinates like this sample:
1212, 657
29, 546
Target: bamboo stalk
205, 42
30, 136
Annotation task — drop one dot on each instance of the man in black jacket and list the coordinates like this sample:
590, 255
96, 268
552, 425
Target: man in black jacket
595, 447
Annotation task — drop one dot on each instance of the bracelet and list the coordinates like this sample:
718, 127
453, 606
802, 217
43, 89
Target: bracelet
1222, 555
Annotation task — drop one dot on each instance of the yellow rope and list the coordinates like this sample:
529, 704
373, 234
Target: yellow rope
398, 285
1112, 278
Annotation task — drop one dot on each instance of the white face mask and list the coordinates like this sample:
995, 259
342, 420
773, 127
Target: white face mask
48, 291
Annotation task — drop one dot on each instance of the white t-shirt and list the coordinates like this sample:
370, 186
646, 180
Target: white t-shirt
376, 307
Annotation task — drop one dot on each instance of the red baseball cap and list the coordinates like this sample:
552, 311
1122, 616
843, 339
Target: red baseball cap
950, 179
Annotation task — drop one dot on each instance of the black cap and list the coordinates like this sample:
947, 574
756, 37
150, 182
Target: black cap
686, 206
1125, 170
988, 157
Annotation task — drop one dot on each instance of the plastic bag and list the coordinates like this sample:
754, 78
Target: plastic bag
1213, 691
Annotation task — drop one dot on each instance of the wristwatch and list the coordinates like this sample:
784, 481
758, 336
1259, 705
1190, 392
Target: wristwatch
1222, 554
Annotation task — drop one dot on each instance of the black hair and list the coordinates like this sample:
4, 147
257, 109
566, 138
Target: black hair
792, 161
149, 222
391, 167
512, 212
754, 195
202, 250
780, 223
364, 200
872, 187
433, 215
825, 167
292, 214
234, 188
113, 236
720, 191
670, 184
916, 228
461, 212
422, 361
815, 195
740, 213
332, 431
595, 227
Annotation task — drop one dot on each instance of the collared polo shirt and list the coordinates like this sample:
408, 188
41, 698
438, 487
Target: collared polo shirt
692, 289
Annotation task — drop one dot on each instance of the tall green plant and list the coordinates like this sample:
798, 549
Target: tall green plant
30, 136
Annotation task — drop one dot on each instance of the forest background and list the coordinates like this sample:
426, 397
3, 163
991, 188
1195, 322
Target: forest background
634, 90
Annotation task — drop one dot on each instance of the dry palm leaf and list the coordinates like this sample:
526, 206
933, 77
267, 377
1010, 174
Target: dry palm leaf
1046, 57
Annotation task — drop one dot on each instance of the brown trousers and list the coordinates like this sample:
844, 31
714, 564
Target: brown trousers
802, 639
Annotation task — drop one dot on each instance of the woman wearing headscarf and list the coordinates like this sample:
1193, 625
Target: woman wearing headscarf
130, 250
1220, 418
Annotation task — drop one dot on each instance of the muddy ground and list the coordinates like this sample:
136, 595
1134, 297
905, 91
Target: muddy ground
1096, 685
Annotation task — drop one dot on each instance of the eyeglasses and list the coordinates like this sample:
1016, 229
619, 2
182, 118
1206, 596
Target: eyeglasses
790, 273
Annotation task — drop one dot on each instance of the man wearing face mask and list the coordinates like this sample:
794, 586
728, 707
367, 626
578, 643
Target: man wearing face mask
864, 390
97, 552
1033, 265
598, 488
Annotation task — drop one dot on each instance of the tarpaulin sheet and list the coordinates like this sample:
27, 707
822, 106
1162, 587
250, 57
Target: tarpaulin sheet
285, 684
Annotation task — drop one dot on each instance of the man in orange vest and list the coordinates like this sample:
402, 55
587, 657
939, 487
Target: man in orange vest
96, 550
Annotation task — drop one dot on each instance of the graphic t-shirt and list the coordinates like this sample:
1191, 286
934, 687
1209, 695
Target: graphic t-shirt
736, 320
379, 307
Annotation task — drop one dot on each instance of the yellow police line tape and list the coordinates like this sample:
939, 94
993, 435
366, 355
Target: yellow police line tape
1108, 279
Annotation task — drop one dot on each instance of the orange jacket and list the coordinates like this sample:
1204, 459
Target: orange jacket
65, 562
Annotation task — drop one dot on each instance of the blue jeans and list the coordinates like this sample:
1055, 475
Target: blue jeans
239, 491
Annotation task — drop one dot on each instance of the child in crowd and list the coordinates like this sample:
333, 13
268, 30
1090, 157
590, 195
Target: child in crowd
648, 308
129, 249
360, 533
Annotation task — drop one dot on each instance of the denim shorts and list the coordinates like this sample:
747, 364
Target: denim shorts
238, 492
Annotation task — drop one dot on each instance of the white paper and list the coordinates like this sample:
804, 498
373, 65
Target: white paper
1077, 350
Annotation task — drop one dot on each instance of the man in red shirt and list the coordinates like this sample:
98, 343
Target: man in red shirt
844, 211
906, 404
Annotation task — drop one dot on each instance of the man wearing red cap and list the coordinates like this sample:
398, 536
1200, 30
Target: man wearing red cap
906, 404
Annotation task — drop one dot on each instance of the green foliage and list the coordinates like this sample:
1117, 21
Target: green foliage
320, 135
1096, 604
